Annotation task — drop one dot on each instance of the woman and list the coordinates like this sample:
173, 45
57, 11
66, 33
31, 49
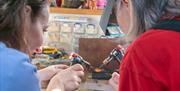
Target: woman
22, 23
152, 60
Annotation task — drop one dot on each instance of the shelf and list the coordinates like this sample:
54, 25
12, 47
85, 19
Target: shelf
75, 11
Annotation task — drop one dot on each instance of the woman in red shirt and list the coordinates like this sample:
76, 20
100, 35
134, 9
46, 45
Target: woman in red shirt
152, 60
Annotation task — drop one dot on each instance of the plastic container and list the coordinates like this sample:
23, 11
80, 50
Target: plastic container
101, 3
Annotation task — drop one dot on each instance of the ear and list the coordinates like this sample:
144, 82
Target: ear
27, 10
126, 2
27, 16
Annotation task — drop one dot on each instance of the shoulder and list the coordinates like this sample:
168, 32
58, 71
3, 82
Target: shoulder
157, 41
11, 54
157, 36
152, 56
13, 58
153, 48
16, 71
154, 40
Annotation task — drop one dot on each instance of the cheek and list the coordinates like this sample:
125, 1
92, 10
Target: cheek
36, 36
123, 19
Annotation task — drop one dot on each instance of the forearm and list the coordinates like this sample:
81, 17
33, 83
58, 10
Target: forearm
45, 74
40, 75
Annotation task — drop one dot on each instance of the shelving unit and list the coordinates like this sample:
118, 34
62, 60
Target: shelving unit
75, 11
72, 24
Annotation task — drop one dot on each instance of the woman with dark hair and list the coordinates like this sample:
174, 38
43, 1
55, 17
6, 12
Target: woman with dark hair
22, 23
152, 60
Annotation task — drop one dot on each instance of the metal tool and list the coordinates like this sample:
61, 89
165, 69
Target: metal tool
77, 59
117, 54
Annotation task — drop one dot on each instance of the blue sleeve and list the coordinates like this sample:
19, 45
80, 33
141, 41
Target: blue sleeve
16, 73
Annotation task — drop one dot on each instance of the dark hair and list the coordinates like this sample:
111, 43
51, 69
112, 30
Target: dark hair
36, 6
12, 29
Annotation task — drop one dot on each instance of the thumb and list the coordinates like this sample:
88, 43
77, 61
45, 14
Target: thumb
77, 67
61, 66
115, 76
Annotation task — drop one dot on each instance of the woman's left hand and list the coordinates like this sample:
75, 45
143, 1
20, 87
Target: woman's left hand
47, 73
114, 81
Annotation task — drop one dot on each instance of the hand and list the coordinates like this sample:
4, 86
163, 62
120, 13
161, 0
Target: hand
114, 81
47, 73
67, 80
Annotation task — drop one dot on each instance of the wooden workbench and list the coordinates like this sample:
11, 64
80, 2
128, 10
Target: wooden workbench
76, 11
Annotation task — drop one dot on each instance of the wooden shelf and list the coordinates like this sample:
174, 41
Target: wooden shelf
76, 11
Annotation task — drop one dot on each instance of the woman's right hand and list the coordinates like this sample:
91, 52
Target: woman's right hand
67, 80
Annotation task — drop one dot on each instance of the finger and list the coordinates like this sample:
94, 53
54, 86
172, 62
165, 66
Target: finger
79, 73
113, 82
61, 66
115, 76
77, 79
114, 85
59, 70
72, 86
120, 46
77, 67
76, 85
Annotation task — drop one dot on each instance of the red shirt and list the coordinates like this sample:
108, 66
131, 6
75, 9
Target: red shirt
152, 63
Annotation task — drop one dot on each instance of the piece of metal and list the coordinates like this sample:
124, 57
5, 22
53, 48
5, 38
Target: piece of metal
116, 54
77, 59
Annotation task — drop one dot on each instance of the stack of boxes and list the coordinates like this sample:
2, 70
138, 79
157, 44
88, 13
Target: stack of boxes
65, 31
